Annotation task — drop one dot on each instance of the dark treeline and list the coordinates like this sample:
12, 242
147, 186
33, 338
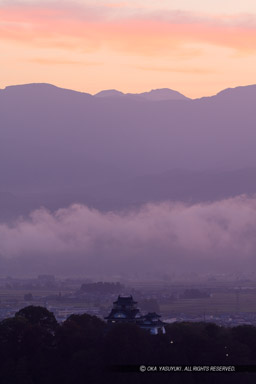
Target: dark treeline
34, 348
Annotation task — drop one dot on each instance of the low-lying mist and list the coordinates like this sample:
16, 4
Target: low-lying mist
154, 240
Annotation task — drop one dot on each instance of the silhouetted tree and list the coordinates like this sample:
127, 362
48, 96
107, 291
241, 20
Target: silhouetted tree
38, 316
34, 349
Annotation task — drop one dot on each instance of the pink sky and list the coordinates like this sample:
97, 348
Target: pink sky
90, 46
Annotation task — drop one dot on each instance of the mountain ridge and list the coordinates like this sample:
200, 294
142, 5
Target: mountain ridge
159, 94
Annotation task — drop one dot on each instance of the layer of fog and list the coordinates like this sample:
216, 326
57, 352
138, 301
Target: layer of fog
153, 240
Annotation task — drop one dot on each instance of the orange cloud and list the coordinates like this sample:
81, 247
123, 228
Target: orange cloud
89, 29
198, 71
44, 61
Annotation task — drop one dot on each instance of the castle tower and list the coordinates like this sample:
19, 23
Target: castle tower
124, 311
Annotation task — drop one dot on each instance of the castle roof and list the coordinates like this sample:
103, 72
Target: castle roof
124, 308
125, 300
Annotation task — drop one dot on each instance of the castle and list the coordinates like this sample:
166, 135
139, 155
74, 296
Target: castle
125, 311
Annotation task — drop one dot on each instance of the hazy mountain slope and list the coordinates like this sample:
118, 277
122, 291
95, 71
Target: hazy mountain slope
182, 185
175, 185
57, 142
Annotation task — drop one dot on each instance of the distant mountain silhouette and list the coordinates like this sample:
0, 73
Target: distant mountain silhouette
109, 93
39, 90
163, 94
154, 95
59, 146
237, 93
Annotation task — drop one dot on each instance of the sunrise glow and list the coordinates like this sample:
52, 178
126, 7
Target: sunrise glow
130, 46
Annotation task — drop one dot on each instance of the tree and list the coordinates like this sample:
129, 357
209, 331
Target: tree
36, 315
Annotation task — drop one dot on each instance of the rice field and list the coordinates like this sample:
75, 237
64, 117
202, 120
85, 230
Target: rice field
219, 302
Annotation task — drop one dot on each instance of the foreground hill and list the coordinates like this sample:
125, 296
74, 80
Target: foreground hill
35, 349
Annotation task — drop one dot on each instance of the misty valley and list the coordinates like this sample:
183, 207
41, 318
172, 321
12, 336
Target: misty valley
148, 196
127, 192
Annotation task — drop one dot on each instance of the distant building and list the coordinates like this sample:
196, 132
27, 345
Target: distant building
46, 278
125, 311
